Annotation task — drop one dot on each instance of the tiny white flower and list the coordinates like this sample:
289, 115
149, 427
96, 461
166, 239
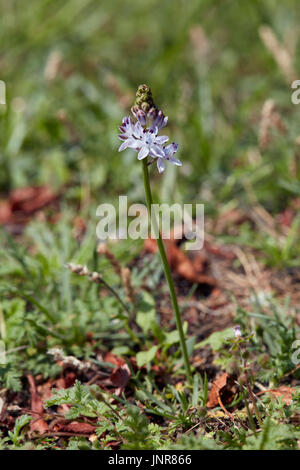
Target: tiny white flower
237, 331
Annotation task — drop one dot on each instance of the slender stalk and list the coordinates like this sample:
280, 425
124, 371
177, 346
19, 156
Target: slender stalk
126, 320
167, 273
251, 394
95, 277
251, 421
252, 398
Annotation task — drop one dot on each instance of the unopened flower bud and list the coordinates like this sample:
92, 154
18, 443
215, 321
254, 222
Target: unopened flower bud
158, 119
145, 106
142, 117
134, 110
144, 98
152, 113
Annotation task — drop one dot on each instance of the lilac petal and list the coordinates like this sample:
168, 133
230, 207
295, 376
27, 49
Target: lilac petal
123, 146
171, 149
132, 143
160, 165
160, 122
143, 152
125, 123
157, 151
126, 126
122, 136
142, 117
165, 122
174, 161
153, 129
133, 111
152, 113
159, 118
137, 130
161, 139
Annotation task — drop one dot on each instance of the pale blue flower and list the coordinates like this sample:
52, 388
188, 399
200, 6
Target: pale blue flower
146, 141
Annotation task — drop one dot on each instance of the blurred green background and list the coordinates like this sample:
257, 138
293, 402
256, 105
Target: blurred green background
72, 67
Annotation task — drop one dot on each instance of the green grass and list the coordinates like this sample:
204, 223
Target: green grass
213, 92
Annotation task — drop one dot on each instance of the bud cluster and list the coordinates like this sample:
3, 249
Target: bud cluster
144, 109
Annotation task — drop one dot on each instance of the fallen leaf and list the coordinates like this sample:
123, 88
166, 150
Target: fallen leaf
37, 407
69, 379
221, 393
113, 359
284, 392
31, 198
112, 444
190, 269
217, 386
23, 202
120, 376
45, 390
74, 426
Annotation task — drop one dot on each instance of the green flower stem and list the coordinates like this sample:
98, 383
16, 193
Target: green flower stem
167, 274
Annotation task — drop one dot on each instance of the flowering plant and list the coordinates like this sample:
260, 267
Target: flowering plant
143, 138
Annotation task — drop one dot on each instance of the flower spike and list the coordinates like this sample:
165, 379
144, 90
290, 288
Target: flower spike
145, 140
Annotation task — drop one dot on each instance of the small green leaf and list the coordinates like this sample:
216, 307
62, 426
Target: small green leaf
172, 338
146, 313
217, 339
145, 357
